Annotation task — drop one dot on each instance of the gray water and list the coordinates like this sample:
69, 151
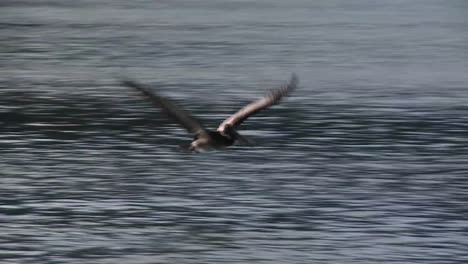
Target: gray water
366, 162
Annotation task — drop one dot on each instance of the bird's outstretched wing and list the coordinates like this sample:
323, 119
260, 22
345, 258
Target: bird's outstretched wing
270, 99
173, 111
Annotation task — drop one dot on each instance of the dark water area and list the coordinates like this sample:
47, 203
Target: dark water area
366, 162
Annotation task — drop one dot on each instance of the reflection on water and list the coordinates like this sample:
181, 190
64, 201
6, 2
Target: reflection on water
365, 163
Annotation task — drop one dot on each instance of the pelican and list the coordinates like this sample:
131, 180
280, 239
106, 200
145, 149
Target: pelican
226, 134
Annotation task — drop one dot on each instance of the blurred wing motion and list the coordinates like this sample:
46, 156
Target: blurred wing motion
270, 99
173, 111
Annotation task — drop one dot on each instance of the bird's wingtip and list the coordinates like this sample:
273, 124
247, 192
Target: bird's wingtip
127, 82
133, 84
294, 80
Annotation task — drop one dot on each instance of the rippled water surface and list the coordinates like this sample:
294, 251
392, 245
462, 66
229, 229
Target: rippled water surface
365, 163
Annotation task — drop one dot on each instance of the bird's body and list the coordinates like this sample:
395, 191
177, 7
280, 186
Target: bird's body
226, 134
210, 140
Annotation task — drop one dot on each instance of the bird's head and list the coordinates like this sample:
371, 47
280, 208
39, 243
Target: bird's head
231, 132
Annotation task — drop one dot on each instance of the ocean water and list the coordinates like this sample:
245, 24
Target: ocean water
366, 162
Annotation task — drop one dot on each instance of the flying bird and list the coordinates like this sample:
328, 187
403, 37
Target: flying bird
226, 134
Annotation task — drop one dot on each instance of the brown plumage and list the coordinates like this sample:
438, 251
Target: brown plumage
226, 134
